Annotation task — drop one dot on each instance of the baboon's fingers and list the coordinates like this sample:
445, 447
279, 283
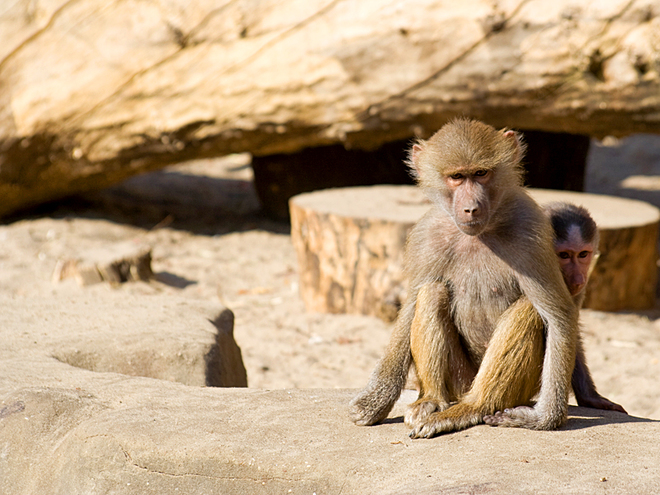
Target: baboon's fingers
421, 409
445, 422
602, 403
428, 430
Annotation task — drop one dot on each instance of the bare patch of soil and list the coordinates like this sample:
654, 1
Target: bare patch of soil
210, 242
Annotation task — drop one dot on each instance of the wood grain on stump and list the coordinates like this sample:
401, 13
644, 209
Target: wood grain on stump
350, 245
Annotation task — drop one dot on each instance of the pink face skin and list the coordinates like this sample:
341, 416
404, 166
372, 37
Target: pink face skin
575, 256
471, 204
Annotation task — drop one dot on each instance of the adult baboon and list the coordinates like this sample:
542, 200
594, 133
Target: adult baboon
482, 246
510, 370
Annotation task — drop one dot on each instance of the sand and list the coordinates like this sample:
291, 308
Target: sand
211, 243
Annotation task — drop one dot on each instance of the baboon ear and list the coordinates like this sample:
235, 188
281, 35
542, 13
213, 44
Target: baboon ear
413, 157
416, 150
516, 139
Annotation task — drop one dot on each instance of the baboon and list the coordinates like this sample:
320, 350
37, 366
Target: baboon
576, 245
483, 244
508, 375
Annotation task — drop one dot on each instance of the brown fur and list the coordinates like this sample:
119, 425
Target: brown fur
510, 370
457, 369
483, 245
511, 367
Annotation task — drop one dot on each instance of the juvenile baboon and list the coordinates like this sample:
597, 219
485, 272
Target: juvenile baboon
509, 373
576, 245
482, 245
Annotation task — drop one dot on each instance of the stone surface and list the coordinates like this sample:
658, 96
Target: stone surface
350, 244
70, 424
94, 93
104, 433
168, 338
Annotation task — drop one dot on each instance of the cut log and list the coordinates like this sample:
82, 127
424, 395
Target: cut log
94, 92
626, 274
117, 263
350, 243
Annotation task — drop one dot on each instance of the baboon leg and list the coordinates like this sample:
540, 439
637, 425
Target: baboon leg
584, 387
444, 370
509, 374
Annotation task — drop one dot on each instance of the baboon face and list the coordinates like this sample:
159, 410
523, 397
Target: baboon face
470, 198
466, 168
576, 257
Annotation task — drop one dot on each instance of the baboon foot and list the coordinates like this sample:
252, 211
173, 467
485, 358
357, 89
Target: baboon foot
421, 409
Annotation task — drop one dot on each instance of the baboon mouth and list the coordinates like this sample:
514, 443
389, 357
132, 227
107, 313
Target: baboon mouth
472, 224
471, 228
575, 289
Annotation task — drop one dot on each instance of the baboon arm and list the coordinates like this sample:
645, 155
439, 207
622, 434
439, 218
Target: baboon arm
376, 400
584, 387
543, 284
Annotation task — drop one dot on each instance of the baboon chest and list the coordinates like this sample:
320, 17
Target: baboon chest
482, 288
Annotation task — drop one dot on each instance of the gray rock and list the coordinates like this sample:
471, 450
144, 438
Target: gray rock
69, 430
168, 338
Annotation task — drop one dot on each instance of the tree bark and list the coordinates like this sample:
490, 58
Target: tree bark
94, 92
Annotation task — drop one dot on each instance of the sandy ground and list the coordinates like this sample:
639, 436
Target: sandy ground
210, 242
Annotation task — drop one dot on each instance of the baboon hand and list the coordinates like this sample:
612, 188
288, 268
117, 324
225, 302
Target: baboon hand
457, 417
360, 412
431, 427
601, 403
370, 407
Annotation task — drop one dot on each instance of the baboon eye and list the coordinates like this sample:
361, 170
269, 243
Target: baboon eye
481, 173
583, 254
456, 176
564, 255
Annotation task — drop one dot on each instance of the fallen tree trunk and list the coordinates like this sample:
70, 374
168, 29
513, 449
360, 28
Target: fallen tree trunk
93, 92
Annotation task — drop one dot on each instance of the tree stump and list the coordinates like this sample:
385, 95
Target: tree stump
626, 274
350, 243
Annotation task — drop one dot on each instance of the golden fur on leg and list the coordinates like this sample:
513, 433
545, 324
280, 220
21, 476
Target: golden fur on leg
444, 371
509, 374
